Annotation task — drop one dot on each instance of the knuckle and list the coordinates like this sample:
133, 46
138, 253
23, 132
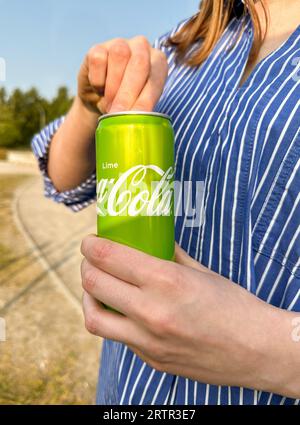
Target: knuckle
160, 323
168, 276
141, 60
165, 277
91, 323
102, 249
89, 280
154, 352
142, 40
97, 55
158, 355
120, 49
165, 324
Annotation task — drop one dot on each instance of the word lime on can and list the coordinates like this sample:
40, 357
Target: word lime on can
135, 181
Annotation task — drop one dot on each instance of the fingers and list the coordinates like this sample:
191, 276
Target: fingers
155, 84
135, 77
120, 295
121, 261
119, 54
123, 75
107, 324
97, 68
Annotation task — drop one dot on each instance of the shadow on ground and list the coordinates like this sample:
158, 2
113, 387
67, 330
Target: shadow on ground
48, 357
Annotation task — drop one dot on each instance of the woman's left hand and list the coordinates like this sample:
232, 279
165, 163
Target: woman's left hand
181, 318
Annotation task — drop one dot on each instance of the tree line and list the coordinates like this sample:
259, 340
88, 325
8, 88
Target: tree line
24, 113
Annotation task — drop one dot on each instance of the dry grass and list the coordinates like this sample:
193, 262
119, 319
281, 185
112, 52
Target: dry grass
3, 153
44, 385
48, 357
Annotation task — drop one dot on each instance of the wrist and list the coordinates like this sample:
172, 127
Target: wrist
73, 148
278, 359
287, 362
87, 117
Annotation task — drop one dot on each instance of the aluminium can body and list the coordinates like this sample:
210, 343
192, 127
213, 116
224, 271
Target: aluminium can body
135, 171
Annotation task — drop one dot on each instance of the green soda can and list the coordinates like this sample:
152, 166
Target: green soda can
135, 177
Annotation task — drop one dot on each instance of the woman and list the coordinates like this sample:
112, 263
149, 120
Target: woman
229, 79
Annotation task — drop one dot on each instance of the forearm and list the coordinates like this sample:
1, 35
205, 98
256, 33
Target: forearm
282, 359
270, 356
264, 340
72, 150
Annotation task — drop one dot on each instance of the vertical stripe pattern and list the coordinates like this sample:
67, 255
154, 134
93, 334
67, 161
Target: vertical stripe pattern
243, 142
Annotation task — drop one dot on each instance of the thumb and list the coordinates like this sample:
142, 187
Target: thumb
181, 257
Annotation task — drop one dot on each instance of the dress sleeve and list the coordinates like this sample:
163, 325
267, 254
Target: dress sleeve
75, 199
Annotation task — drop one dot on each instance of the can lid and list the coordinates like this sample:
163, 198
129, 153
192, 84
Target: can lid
116, 114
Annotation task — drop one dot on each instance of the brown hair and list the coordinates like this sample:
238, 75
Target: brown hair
209, 23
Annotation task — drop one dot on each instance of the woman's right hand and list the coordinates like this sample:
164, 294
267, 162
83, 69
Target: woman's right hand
115, 76
122, 75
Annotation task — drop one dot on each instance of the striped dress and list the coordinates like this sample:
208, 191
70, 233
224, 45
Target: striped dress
243, 142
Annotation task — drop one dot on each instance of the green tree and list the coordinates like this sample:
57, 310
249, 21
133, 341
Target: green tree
3, 96
60, 104
23, 114
9, 132
26, 114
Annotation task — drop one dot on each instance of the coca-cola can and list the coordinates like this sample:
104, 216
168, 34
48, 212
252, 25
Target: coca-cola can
135, 181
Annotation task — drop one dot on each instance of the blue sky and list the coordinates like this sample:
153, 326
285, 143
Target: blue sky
44, 41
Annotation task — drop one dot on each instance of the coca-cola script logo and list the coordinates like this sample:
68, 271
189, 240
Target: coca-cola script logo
143, 190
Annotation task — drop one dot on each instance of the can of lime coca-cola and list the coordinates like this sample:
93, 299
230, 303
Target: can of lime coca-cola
135, 172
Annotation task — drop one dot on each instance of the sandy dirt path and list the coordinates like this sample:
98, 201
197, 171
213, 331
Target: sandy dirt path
48, 356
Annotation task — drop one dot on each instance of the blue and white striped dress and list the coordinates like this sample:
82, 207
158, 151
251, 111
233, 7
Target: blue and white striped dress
243, 142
